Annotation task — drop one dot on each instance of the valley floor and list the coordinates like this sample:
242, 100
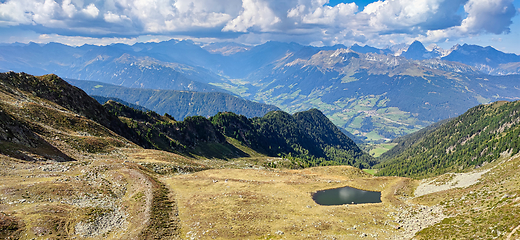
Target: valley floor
145, 194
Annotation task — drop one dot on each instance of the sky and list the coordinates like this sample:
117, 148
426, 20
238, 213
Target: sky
380, 23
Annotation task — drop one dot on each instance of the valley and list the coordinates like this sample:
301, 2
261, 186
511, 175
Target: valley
66, 173
375, 94
231, 142
259, 120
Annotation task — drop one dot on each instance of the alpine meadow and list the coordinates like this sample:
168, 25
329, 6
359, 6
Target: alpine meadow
241, 119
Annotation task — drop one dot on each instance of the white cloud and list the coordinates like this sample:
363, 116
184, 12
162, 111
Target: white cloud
91, 10
11, 13
256, 13
492, 16
68, 8
78, 41
305, 21
114, 18
325, 15
483, 16
413, 15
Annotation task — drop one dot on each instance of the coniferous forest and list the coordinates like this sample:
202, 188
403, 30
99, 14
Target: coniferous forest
481, 135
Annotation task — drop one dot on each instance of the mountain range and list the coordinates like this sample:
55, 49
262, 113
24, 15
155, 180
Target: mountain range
179, 104
375, 94
78, 169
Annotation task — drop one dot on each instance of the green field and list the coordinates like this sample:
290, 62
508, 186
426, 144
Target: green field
370, 171
381, 148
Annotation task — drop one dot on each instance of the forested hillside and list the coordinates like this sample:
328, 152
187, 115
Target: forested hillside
167, 134
407, 141
482, 134
308, 138
178, 104
103, 100
276, 134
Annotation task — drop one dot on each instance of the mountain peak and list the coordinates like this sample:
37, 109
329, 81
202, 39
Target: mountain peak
416, 46
416, 51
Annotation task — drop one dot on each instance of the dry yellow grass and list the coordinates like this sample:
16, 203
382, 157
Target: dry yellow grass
263, 204
104, 198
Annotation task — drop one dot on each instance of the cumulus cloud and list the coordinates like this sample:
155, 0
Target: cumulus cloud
306, 21
255, 13
107, 17
413, 15
91, 10
483, 16
493, 16
324, 15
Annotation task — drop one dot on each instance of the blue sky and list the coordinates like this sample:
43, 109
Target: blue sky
361, 4
316, 22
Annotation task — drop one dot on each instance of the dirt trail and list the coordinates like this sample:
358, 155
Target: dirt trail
513, 232
164, 221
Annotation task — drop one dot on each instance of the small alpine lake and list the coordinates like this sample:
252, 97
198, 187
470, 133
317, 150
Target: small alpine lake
345, 195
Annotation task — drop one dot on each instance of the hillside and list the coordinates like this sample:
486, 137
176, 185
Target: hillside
306, 138
194, 136
375, 94
375, 97
66, 173
477, 137
66, 176
54, 89
406, 141
178, 104
103, 100
276, 134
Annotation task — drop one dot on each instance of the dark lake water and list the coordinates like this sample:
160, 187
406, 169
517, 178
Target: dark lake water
345, 195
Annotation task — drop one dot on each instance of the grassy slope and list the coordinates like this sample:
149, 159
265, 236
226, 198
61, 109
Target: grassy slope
111, 192
488, 209
380, 149
99, 192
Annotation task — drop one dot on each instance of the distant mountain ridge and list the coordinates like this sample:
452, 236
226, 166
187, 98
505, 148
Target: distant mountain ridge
132, 66
104, 100
486, 59
374, 96
346, 83
192, 61
178, 104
